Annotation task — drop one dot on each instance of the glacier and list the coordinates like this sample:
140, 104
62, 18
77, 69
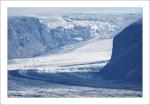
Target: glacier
62, 55
89, 55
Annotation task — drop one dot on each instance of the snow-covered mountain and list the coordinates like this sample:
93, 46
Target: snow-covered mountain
33, 36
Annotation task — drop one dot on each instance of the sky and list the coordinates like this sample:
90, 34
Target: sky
47, 11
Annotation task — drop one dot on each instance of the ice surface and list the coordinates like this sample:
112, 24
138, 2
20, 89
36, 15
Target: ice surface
90, 55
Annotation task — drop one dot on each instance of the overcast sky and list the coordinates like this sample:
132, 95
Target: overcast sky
48, 11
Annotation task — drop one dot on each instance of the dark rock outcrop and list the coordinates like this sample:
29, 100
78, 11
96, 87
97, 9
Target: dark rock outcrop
126, 59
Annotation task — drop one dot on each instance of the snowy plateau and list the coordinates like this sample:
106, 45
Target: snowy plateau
63, 56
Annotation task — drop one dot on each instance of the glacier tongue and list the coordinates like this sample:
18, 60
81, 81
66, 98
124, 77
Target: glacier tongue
94, 54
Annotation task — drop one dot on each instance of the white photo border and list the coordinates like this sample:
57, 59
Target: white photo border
36, 101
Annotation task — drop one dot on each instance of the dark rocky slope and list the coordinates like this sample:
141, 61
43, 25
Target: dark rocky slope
126, 59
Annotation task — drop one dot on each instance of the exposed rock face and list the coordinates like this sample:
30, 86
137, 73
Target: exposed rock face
27, 37
126, 59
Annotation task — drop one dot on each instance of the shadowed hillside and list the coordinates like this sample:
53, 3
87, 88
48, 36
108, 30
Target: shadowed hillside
126, 59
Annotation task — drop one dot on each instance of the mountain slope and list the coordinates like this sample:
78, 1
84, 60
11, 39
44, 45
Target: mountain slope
126, 59
27, 37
